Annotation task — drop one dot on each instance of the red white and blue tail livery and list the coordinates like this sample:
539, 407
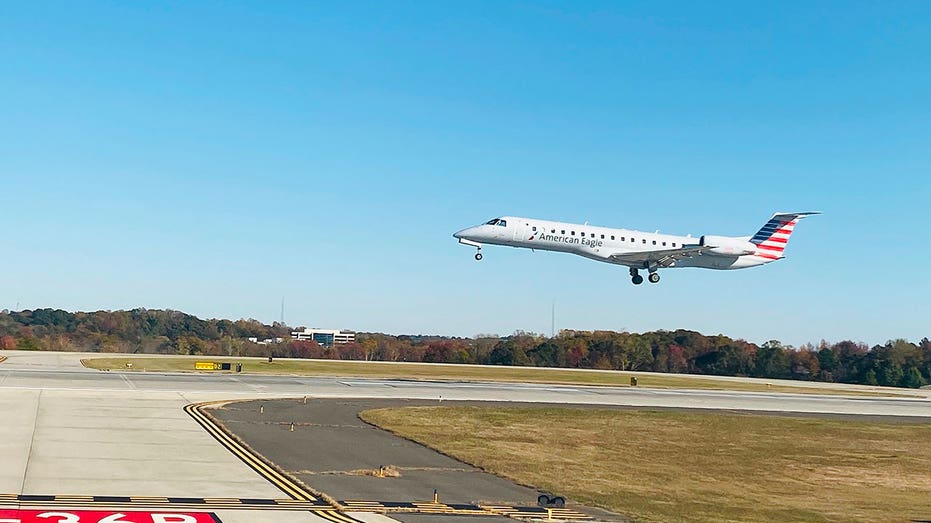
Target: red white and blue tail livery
636, 249
771, 240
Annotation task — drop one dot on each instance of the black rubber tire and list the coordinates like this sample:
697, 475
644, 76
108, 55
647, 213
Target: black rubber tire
637, 280
558, 502
478, 256
654, 277
543, 500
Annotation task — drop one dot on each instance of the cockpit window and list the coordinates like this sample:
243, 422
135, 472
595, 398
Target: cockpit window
502, 223
493, 222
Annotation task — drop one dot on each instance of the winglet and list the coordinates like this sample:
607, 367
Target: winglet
789, 216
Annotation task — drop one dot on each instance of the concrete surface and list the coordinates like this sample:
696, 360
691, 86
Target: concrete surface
202, 387
69, 430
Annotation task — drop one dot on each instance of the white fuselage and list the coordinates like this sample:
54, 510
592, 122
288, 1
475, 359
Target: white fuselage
600, 243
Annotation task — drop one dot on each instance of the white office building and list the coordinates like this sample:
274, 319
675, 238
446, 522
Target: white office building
325, 337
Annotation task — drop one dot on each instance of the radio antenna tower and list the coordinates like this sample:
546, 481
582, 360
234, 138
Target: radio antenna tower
553, 320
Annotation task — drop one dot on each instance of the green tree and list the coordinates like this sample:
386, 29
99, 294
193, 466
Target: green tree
913, 378
508, 352
826, 360
890, 374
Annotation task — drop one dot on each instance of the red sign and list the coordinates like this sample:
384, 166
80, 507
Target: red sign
84, 516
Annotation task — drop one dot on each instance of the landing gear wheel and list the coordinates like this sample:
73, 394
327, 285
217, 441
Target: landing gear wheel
543, 500
637, 279
654, 277
478, 256
558, 502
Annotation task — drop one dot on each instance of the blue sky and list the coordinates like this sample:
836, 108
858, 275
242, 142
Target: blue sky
212, 157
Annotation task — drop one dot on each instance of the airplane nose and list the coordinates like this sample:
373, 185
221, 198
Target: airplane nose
468, 233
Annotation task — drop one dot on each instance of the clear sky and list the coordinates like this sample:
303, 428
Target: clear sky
214, 157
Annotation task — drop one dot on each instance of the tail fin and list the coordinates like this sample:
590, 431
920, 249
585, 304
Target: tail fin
772, 238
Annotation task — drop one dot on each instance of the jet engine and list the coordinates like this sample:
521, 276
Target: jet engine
726, 246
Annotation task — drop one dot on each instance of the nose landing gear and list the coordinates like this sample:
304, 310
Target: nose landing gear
478, 255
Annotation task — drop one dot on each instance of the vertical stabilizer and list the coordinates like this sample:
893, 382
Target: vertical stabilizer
772, 238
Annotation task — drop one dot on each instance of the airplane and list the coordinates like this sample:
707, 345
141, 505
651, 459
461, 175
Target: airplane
635, 249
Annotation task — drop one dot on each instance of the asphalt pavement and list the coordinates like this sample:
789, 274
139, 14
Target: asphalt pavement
89, 437
334, 452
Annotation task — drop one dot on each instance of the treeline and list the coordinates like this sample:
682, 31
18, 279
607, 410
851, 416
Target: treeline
898, 363
133, 331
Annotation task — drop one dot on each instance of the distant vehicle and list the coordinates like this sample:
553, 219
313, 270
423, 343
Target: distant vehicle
635, 249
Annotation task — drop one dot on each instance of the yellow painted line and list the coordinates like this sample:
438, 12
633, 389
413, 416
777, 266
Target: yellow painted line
288, 487
336, 517
286, 484
282, 481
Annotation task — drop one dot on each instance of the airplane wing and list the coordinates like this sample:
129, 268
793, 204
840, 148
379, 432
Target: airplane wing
663, 258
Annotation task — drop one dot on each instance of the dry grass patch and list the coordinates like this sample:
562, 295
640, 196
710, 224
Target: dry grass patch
423, 371
682, 466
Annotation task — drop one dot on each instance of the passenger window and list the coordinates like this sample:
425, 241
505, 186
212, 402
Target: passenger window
632, 240
583, 234
673, 244
602, 236
562, 231
654, 242
573, 233
644, 241
534, 229
552, 231
622, 239
664, 244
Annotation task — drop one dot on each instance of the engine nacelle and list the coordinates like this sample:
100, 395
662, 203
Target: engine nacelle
726, 246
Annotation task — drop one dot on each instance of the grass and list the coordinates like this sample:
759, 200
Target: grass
458, 373
696, 467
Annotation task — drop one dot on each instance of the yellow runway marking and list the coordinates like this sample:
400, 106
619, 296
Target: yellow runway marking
303, 499
280, 480
287, 485
318, 507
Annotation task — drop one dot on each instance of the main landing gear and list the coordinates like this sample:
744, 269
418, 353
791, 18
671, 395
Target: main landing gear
636, 279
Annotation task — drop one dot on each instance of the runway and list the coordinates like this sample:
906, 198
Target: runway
70, 431
204, 387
